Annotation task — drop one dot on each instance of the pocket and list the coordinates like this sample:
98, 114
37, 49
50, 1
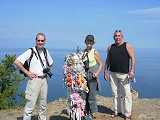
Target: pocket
30, 89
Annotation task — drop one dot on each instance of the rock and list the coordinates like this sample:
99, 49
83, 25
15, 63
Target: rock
134, 93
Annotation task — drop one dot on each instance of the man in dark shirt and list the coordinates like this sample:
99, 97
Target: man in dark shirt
118, 62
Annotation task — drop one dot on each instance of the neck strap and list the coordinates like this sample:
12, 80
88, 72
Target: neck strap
39, 57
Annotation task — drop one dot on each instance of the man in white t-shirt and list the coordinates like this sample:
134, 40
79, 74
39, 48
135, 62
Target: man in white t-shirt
37, 87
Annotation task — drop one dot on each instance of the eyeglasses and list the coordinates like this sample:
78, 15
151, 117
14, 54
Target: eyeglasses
89, 40
40, 40
118, 31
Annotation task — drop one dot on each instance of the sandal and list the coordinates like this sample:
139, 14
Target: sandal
116, 115
94, 115
127, 118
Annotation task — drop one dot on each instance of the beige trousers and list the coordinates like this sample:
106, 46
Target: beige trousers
121, 90
36, 91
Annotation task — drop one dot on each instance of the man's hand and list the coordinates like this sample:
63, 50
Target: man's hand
31, 75
106, 75
131, 74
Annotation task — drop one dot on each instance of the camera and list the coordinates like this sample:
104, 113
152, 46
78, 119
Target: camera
47, 70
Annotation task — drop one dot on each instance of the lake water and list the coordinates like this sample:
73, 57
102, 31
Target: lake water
147, 72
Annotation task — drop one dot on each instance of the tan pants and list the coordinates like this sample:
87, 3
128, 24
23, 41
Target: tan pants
120, 87
36, 91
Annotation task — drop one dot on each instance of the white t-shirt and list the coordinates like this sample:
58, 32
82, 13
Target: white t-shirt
35, 64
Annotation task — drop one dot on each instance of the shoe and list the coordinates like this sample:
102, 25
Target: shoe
94, 115
127, 118
116, 115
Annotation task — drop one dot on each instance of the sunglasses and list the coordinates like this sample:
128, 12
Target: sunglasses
118, 31
40, 40
89, 40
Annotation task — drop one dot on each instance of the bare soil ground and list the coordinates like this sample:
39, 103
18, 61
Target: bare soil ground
143, 109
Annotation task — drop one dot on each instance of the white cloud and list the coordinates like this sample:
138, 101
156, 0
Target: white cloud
149, 11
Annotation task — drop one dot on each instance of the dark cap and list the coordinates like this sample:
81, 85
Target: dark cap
90, 37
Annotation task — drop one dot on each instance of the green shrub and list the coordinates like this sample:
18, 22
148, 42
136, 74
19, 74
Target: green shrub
10, 80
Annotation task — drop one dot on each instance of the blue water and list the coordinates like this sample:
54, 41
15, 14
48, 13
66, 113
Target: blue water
147, 72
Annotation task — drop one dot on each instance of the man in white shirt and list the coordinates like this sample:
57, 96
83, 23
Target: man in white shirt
37, 87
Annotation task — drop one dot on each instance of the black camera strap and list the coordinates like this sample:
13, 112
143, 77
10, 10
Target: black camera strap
40, 57
86, 54
86, 62
45, 55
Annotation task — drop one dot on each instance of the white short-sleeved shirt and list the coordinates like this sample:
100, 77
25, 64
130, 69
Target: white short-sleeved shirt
35, 64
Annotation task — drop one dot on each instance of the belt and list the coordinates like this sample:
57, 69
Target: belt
42, 77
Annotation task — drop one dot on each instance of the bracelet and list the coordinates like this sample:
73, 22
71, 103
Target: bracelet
132, 71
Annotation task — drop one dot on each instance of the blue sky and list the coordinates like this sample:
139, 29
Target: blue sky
67, 22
